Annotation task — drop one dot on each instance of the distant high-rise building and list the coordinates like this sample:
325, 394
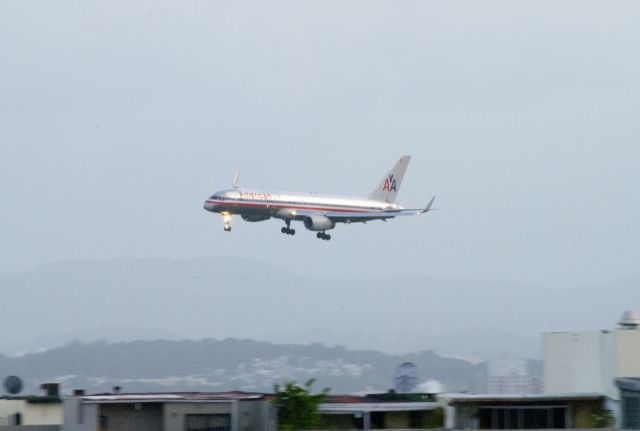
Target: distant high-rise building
511, 376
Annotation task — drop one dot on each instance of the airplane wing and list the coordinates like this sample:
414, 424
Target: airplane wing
356, 216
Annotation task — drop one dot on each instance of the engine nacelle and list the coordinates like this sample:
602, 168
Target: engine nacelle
318, 223
251, 217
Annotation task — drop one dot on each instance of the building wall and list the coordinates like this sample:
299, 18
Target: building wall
579, 362
590, 361
130, 417
256, 416
627, 353
245, 415
31, 413
174, 413
79, 416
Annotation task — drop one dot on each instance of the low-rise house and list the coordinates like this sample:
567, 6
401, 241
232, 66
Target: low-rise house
548, 411
380, 411
174, 411
38, 412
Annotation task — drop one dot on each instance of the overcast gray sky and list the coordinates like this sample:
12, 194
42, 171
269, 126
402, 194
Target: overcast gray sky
118, 118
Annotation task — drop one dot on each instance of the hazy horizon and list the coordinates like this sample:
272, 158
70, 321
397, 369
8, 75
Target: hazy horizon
129, 299
346, 276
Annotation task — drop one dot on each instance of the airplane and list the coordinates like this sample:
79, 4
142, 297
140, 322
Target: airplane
318, 213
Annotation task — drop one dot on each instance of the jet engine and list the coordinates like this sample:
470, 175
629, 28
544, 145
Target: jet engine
252, 217
318, 223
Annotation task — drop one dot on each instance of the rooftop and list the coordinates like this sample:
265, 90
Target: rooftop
152, 397
454, 398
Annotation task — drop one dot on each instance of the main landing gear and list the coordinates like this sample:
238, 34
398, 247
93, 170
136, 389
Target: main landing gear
324, 236
287, 229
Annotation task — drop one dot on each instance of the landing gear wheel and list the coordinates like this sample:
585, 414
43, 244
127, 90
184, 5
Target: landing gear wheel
287, 230
327, 237
227, 228
319, 235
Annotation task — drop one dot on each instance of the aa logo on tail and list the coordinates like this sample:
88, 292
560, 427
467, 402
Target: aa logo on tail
389, 184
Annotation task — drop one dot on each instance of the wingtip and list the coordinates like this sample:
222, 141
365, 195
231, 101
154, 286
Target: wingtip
428, 207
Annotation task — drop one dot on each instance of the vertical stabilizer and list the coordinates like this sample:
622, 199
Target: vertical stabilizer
389, 187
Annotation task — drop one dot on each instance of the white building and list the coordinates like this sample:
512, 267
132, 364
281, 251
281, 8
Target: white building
30, 411
579, 362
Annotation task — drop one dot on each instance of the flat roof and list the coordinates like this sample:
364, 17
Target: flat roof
459, 398
151, 397
384, 397
383, 402
628, 383
34, 399
375, 407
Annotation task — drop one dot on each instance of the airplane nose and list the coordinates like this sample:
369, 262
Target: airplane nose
207, 205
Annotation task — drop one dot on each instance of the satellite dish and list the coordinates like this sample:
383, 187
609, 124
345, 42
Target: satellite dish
405, 377
12, 385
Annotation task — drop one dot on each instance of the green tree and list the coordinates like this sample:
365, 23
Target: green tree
297, 407
435, 418
601, 418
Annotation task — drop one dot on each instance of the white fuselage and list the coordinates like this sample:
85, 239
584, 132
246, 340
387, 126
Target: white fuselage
260, 203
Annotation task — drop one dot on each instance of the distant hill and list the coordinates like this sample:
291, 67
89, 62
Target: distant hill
213, 365
125, 299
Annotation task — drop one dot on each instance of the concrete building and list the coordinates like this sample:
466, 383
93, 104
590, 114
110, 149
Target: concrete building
226, 411
558, 411
580, 362
378, 411
35, 412
31, 411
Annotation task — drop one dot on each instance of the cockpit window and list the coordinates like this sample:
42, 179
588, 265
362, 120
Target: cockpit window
215, 197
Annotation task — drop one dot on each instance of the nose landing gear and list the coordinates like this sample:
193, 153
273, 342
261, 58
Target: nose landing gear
226, 219
324, 236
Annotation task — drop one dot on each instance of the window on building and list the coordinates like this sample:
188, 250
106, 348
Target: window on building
217, 422
511, 417
630, 410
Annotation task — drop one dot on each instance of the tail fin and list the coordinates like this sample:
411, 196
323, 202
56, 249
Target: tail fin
390, 185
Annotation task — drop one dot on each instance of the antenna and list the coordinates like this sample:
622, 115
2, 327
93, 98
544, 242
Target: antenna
235, 179
405, 377
12, 385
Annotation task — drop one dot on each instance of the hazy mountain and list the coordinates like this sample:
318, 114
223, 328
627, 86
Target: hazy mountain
225, 297
211, 365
